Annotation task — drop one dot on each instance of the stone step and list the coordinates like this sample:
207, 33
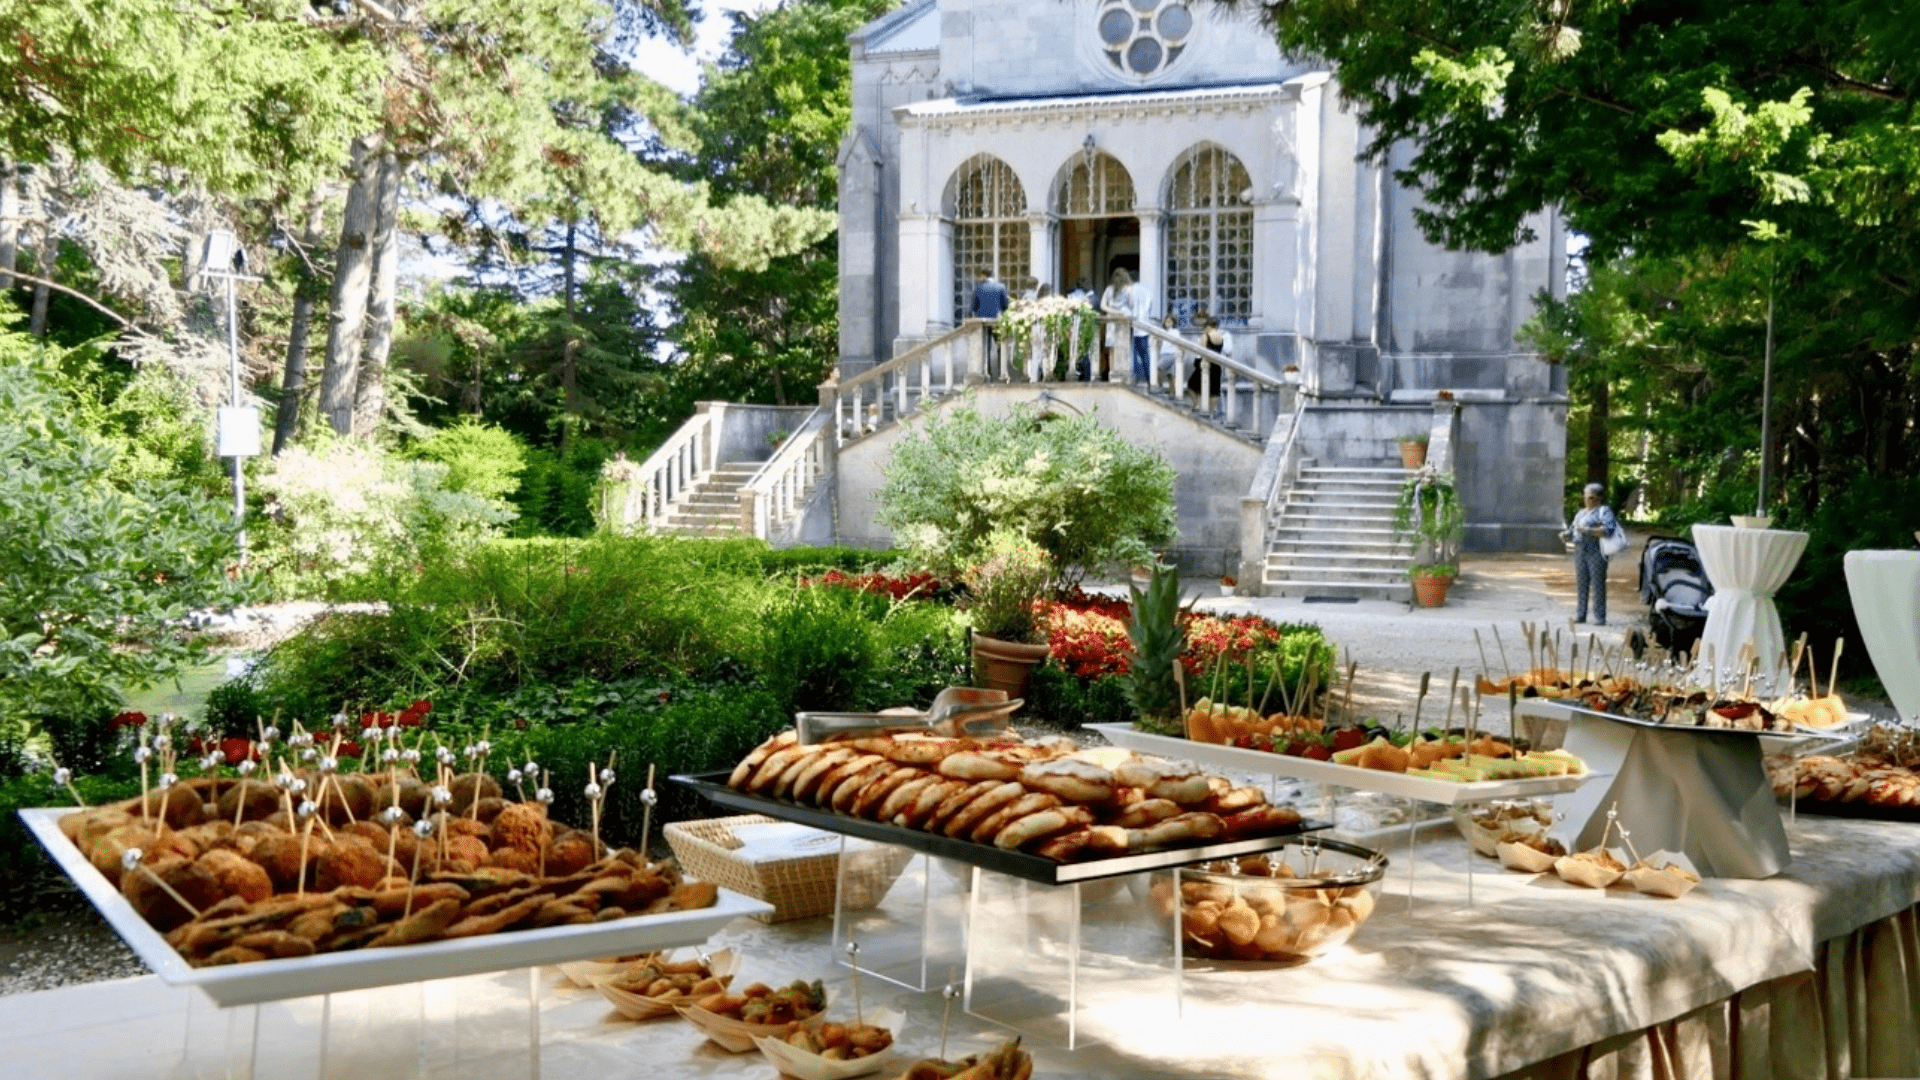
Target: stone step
1380, 575
1341, 557
1362, 590
1316, 503
1344, 520
1357, 471
1334, 489
1372, 549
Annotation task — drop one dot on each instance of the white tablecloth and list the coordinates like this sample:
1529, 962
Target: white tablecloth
1746, 567
1886, 600
1532, 972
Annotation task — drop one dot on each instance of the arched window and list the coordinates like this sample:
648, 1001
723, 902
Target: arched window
1143, 37
1094, 189
988, 209
1209, 237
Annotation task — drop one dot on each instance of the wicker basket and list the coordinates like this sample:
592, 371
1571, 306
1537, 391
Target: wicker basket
797, 888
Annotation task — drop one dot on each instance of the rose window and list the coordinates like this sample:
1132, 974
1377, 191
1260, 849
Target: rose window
1144, 37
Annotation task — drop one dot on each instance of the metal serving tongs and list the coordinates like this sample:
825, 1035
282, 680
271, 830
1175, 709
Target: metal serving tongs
956, 711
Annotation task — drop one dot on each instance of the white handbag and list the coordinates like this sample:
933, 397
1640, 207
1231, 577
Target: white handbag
1614, 542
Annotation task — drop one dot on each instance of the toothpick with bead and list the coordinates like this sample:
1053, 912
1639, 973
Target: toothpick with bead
647, 799
422, 829
63, 777
947, 995
853, 973
130, 861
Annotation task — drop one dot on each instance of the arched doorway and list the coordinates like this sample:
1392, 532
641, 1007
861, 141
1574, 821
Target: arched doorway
1209, 237
1093, 200
987, 210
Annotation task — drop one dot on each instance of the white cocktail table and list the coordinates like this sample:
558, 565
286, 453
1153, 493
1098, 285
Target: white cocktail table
1746, 567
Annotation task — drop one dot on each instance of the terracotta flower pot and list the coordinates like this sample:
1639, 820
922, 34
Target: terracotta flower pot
1005, 665
1413, 454
1430, 590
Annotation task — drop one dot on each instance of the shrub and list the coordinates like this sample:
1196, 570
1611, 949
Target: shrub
33, 882
1070, 484
481, 459
349, 521
97, 580
923, 649
1012, 574
557, 490
1057, 697
818, 648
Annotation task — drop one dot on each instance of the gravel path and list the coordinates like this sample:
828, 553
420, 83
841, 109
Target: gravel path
1392, 643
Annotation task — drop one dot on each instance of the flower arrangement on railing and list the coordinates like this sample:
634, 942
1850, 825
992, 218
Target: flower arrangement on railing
620, 469
1062, 317
1429, 513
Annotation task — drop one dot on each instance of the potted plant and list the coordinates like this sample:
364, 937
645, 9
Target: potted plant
1429, 514
1010, 575
1413, 450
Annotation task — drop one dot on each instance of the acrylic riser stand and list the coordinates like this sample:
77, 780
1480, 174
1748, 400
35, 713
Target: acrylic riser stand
473, 1027
916, 936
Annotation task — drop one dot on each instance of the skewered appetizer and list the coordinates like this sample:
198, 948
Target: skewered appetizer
1009, 1062
230, 878
839, 1042
1216, 722
667, 981
762, 1004
1884, 774
1047, 798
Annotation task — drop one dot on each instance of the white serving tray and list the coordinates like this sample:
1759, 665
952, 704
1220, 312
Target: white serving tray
326, 973
1327, 772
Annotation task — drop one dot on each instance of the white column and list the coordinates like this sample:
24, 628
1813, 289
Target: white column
1040, 260
1278, 278
919, 292
1153, 269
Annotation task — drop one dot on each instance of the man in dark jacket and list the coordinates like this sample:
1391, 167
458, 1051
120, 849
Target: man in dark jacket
989, 300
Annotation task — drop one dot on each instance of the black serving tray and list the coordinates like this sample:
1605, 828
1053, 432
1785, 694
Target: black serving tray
1861, 809
1018, 864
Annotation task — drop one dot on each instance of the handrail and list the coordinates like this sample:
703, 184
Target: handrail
670, 473
776, 494
899, 386
1272, 484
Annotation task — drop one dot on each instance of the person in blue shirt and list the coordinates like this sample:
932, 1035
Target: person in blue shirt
1595, 522
989, 297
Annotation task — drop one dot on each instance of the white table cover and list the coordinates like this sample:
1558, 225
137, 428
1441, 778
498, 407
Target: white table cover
1746, 567
1886, 600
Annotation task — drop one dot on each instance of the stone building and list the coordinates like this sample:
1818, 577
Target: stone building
1066, 138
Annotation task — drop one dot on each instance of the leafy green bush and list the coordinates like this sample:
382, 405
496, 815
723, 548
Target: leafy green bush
1069, 483
923, 650
33, 882
347, 521
481, 459
556, 492
808, 560
1057, 697
818, 648
98, 580
1012, 573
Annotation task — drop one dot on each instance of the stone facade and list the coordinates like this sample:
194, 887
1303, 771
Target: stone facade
1172, 138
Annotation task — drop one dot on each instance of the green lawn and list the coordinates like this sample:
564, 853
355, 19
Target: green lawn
185, 697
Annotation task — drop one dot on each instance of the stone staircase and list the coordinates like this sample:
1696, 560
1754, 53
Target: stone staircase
713, 507
1334, 536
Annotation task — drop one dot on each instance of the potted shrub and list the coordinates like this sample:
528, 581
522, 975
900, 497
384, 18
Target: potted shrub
1429, 513
1413, 450
1012, 573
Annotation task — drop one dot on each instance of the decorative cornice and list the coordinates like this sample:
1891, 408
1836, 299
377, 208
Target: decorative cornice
949, 113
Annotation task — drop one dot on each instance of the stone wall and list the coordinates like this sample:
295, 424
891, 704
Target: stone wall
1511, 468
1213, 470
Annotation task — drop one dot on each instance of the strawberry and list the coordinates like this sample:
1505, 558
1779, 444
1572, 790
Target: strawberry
1317, 751
1347, 738
1244, 741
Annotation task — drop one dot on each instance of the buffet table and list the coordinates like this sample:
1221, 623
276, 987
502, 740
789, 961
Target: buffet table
1816, 967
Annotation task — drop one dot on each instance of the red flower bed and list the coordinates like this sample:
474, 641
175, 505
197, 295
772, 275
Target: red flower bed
912, 586
1087, 635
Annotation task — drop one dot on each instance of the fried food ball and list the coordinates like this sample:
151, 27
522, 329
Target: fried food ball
489, 809
83, 827
527, 862
460, 825
251, 799
372, 832
179, 805
106, 852
348, 860
467, 849
279, 855
408, 792
572, 852
195, 884
237, 875
347, 798
523, 826
470, 786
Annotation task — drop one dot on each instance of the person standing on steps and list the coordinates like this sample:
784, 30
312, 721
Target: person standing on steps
1142, 312
1117, 301
1596, 536
1083, 363
989, 300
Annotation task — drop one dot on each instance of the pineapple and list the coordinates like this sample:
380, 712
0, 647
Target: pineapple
1157, 641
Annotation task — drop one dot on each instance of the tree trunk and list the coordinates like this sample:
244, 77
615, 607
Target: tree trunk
9, 225
347, 312
49, 252
293, 381
570, 354
1599, 465
370, 406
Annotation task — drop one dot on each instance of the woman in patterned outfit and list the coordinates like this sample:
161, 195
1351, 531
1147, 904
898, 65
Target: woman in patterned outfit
1595, 520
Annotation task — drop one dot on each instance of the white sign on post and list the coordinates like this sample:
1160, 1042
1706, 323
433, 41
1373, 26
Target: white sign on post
239, 431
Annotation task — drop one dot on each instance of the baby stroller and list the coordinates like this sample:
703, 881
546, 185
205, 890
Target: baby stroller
1675, 586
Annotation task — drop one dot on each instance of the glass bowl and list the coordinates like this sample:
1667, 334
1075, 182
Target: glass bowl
1284, 907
